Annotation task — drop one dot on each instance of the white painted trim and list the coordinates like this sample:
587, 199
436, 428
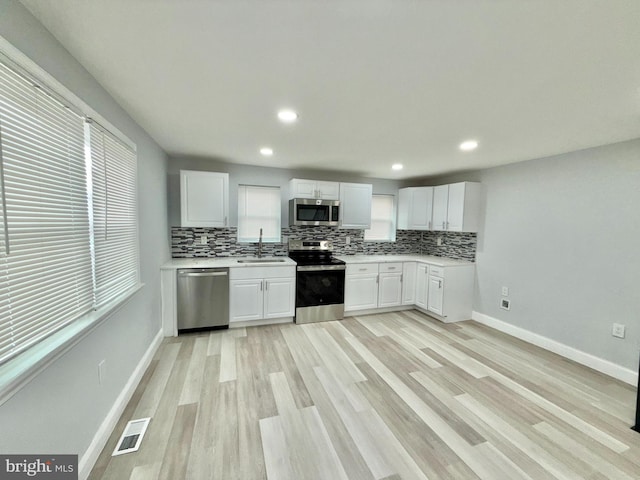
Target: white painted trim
373, 311
90, 456
599, 364
262, 321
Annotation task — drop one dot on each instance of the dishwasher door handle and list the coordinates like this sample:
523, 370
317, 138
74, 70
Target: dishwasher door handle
204, 274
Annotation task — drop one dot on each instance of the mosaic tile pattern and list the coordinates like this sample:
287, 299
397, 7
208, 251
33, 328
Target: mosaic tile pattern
407, 243
222, 242
457, 245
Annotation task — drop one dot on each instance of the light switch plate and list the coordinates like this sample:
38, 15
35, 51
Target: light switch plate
505, 291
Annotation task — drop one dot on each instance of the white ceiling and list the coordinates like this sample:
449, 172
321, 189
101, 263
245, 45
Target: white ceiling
375, 82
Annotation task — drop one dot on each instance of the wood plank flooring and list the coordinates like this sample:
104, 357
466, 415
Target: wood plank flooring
389, 396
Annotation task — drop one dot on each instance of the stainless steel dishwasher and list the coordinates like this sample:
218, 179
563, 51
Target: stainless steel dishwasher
203, 298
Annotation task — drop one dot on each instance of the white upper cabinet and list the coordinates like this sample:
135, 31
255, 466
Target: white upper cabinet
440, 204
299, 188
414, 208
204, 199
355, 205
456, 207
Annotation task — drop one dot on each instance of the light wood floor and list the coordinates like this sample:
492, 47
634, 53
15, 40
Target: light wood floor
391, 396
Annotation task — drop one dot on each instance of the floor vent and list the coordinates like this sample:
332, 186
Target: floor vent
132, 437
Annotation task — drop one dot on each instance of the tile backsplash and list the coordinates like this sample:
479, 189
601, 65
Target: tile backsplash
222, 242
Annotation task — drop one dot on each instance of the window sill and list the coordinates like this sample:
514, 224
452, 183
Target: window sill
18, 372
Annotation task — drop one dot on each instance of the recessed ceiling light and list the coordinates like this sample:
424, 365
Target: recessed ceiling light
266, 151
468, 145
396, 166
287, 116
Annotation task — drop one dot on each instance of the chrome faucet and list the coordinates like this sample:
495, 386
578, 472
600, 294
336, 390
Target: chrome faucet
260, 245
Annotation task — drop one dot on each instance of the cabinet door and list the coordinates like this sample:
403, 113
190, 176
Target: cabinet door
355, 205
246, 300
409, 283
421, 208
361, 292
279, 297
328, 190
455, 207
436, 294
404, 208
440, 205
303, 188
204, 199
389, 289
422, 285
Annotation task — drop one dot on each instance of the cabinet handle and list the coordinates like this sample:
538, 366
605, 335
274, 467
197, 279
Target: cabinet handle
439, 283
447, 225
377, 279
261, 282
225, 221
429, 227
443, 226
401, 276
362, 269
392, 268
266, 285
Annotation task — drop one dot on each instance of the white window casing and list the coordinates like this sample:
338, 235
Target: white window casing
383, 219
259, 208
68, 219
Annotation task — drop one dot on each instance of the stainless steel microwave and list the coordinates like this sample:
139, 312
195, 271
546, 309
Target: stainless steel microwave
310, 211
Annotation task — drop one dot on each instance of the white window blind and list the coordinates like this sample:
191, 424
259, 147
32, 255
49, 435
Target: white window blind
46, 278
258, 207
113, 178
383, 219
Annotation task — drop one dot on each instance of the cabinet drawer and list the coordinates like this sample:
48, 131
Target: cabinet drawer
361, 268
390, 267
436, 271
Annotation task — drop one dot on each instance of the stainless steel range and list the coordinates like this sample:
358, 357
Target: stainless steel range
319, 281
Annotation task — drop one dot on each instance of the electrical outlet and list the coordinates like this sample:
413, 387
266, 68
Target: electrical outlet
102, 371
505, 291
505, 304
439, 241
618, 330
203, 240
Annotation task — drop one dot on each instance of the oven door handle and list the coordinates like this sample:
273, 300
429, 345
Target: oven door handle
319, 268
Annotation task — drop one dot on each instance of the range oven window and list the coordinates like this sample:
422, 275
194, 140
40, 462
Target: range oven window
324, 287
313, 213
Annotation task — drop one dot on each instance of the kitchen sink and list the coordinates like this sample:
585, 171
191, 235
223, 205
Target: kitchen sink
262, 260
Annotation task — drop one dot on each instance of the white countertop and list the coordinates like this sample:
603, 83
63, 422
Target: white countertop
228, 262
431, 260
225, 262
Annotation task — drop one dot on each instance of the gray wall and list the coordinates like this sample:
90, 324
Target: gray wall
563, 233
60, 410
252, 175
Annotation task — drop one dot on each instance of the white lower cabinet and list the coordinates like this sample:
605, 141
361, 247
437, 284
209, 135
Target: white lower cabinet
422, 285
262, 293
361, 287
409, 283
443, 292
389, 285
435, 294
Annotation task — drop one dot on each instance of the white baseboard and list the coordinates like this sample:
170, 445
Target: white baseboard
601, 365
88, 460
257, 323
373, 311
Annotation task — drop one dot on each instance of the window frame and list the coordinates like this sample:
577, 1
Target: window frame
16, 372
393, 220
277, 220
